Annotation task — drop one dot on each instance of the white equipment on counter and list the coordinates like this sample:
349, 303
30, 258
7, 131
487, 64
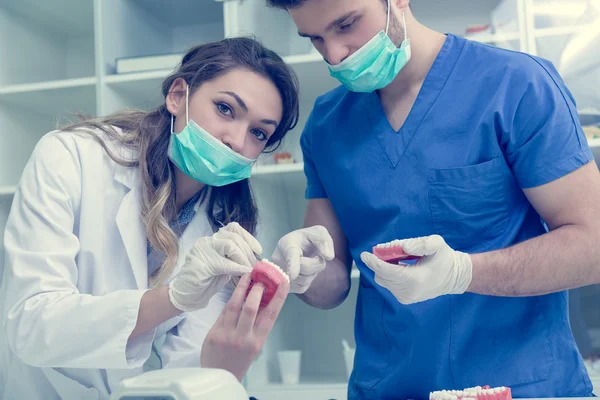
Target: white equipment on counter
181, 384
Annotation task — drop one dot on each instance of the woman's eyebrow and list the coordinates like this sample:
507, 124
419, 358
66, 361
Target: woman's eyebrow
269, 122
245, 107
238, 99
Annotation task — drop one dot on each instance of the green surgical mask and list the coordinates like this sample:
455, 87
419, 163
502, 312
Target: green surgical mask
202, 157
376, 64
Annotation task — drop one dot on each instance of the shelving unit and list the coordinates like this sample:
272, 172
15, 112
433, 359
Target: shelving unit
80, 41
7, 190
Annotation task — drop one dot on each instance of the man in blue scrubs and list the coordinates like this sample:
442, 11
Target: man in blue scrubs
464, 151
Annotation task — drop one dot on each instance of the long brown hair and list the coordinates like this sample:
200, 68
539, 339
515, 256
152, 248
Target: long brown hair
148, 134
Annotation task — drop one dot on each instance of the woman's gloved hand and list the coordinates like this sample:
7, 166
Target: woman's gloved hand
210, 264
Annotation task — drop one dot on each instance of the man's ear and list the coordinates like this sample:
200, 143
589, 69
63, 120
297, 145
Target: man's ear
402, 4
175, 100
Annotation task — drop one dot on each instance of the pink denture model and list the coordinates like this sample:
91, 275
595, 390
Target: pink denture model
270, 275
475, 393
392, 252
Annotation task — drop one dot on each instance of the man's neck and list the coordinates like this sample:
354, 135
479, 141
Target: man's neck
425, 46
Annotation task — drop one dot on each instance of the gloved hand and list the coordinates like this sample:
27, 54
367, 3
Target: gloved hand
440, 271
210, 264
302, 254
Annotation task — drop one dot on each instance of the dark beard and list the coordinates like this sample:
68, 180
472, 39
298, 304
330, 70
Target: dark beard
396, 30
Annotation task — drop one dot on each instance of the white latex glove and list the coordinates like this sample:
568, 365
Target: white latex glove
302, 254
440, 271
210, 264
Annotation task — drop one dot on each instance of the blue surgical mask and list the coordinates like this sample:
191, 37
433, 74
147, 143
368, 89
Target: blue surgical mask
202, 157
376, 64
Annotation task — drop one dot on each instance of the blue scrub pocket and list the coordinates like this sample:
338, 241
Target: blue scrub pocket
373, 352
469, 204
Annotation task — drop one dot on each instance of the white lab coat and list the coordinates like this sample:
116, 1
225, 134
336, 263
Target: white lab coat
75, 271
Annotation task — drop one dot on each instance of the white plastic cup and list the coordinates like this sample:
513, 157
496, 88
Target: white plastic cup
289, 366
349, 359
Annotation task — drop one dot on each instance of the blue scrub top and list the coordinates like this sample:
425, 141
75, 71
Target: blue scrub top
486, 124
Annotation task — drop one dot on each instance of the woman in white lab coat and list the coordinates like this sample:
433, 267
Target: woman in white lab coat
125, 233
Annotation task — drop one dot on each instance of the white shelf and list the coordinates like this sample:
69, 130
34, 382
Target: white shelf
48, 85
7, 190
304, 58
53, 98
277, 169
160, 74
559, 31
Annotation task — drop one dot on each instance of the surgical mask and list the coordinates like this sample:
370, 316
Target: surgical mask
202, 157
376, 64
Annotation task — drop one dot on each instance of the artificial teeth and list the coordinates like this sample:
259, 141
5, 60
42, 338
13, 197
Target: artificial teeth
389, 244
278, 269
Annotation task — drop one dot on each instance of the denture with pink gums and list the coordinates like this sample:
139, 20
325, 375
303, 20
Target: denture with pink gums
392, 252
270, 275
475, 393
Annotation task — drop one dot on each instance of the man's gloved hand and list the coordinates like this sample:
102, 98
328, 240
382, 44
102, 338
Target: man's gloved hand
302, 254
440, 271
210, 264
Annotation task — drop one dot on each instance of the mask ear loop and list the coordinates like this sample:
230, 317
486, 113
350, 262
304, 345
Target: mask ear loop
187, 119
404, 24
387, 24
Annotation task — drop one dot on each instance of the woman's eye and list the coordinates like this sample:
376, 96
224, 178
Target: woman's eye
224, 109
260, 135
